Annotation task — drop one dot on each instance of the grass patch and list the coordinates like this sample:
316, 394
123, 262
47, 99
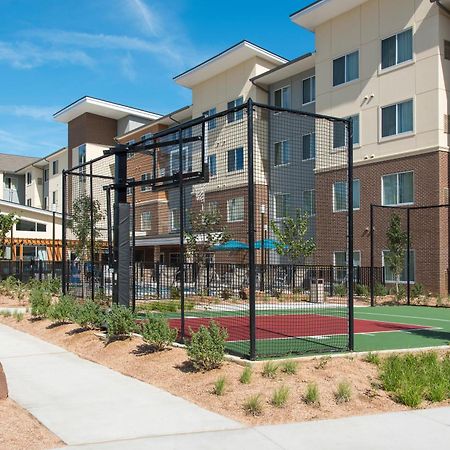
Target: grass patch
289, 367
323, 362
280, 397
413, 378
253, 406
246, 375
312, 394
373, 358
344, 392
219, 386
270, 370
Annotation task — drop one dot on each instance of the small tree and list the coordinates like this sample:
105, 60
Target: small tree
397, 240
207, 230
80, 224
291, 237
7, 222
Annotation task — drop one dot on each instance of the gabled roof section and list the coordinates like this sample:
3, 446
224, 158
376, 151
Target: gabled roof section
11, 163
102, 108
290, 69
42, 162
321, 11
230, 57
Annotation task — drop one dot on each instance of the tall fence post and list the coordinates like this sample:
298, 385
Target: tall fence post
350, 236
251, 231
92, 231
408, 256
133, 250
64, 226
180, 154
372, 244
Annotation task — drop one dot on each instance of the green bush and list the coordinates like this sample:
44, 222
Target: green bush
157, 332
226, 294
373, 358
246, 376
312, 394
417, 290
401, 294
380, 290
253, 405
119, 322
340, 290
53, 285
8, 286
361, 290
219, 386
101, 298
175, 292
206, 349
63, 311
40, 300
90, 315
280, 397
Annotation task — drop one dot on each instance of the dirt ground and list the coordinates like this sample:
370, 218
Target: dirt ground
19, 430
171, 371
9, 302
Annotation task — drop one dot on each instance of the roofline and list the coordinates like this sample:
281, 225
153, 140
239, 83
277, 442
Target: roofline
305, 8
29, 208
275, 69
244, 41
58, 113
166, 116
44, 158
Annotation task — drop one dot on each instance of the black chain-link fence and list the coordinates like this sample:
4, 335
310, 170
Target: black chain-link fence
241, 237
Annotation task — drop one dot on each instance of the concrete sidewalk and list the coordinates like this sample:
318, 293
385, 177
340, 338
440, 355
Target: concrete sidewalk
83, 402
91, 407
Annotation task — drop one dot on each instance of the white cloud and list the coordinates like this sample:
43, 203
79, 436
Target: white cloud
150, 20
33, 112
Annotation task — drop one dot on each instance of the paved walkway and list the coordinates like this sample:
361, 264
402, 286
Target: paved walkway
91, 407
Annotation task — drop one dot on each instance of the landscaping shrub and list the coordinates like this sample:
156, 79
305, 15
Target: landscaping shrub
312, 394
344, 392
246, 376
401, 294
253, 405
90, 315
53, 285
63, 311
340, 290
417, 290
206, 349
101, 298
373, 358
226, 294
8, 286
361, 290
289, 367
219, 386
157, 333
380, 290
174, 292
119, 322
280, 397
18, 316
40, 300
270, 369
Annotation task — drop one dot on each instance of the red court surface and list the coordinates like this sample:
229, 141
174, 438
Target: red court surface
286, 326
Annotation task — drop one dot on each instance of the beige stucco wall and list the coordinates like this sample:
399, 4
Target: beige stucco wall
363, 29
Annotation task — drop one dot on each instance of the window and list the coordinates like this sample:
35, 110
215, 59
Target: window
146, 136
82, 154
340, 195
55, 167
27, 225
212, 163
282, 97
340, 262
145, 187
45, 175
397, 119
29, 178
130, 154
174, 160
397, 49
235, 209
281, 153
398, 189
389, 276
211, 123
309, 90
45, 202
28, 201
346, 69
212, 206
309, 146
280, 205
235, 115
146, 221
55, 198
340, 132
235, 159
309, 202
175, 219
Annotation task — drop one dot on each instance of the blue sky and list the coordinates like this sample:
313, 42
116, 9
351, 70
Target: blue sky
53, 52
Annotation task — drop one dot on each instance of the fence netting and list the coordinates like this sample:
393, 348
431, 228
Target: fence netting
239, 218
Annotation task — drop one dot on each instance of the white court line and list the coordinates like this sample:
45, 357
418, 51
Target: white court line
403, 317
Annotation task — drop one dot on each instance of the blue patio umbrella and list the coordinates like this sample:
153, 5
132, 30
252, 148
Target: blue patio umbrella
230, 246
269, 244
